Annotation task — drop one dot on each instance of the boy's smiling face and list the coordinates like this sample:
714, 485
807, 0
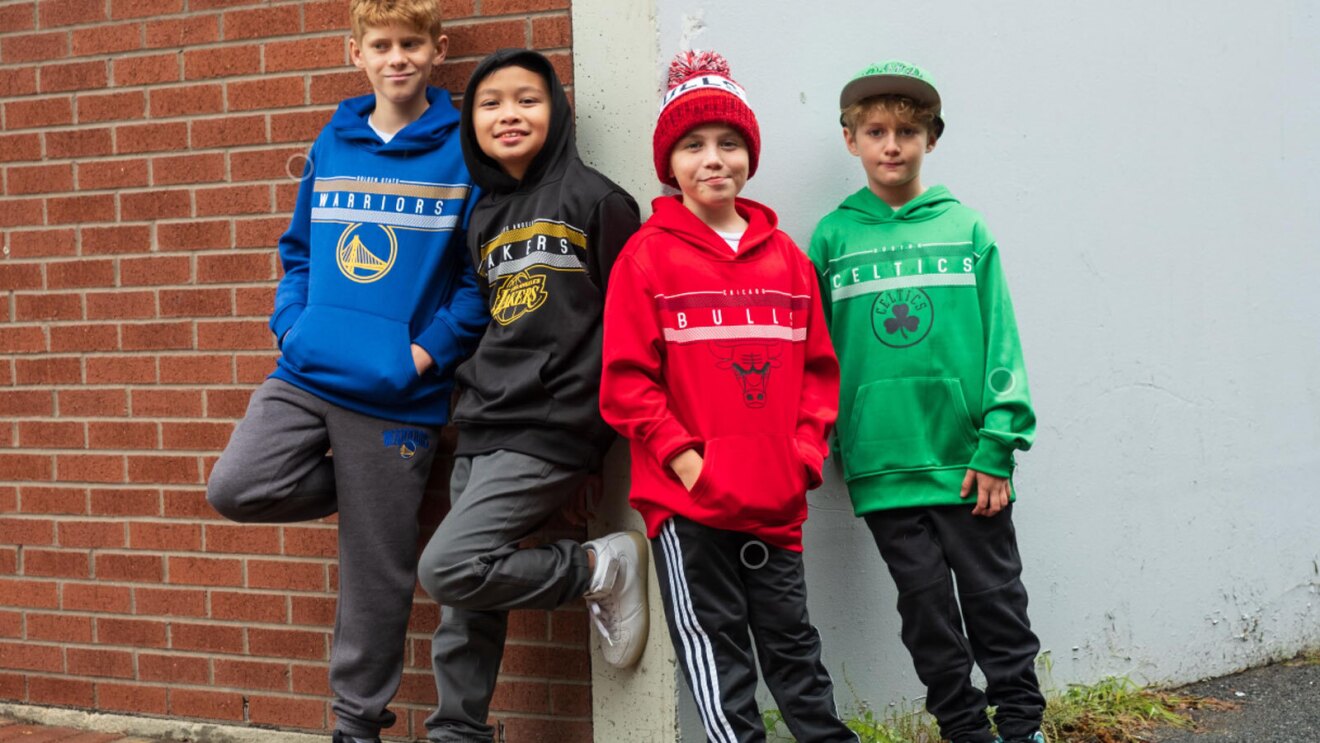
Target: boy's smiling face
511, 117
891, 151
710, 164
398, 61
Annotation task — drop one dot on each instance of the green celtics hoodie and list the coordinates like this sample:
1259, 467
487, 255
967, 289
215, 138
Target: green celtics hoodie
933, 381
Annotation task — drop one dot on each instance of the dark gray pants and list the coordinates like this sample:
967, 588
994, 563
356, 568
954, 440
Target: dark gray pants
716, 586
474, 568
275, 470
921, 546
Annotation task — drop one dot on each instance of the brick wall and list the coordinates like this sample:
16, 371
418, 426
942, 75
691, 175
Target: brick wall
146, 149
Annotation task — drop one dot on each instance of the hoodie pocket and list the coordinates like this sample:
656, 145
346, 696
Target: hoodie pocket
502, 385
353, 353
910, 423
758, 479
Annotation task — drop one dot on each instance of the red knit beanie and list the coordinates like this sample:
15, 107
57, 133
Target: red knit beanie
701, 92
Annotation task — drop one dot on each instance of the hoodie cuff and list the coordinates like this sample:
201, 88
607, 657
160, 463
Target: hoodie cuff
284, 320
813, 461
440, 341
669, 439
993, 458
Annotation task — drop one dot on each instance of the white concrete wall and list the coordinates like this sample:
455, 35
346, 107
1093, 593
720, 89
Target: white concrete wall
1152, 172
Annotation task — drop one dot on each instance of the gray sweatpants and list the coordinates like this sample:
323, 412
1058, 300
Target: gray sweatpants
275, 470
474, 568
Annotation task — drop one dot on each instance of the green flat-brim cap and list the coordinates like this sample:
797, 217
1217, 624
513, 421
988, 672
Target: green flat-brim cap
891, 77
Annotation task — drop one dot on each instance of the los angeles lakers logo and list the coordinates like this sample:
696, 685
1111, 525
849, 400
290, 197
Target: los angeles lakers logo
365, 255
518, 295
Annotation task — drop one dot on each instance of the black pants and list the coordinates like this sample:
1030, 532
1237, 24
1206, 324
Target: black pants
716, 586
921, 546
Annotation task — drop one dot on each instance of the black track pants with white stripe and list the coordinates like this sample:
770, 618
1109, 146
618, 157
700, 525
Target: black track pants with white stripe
717, 585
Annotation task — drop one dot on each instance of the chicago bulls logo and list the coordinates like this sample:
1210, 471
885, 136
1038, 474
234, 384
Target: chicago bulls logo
751, 362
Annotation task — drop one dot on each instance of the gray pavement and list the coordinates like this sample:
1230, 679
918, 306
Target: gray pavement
1276, 704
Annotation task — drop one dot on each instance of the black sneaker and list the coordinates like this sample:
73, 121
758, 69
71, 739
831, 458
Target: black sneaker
1036, 737
341, 737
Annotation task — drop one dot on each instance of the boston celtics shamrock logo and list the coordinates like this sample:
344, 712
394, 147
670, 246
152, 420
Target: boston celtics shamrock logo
902, 317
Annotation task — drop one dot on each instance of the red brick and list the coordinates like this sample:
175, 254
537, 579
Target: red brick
236, 267
11, 627
132, 138
37, 307
55, 564
546, 730
22, 212
286, 196
285, 712
267, 93
121, 305
186, 100
259, 233
205, 571
188, 169
237, 335
134, 632
306, 54
55, 500
74, 76
130, 105
247, 674
172, 470
50, 435
209, 705
28, 657
155, 270
283, 164
67, 338
226, 403
20, 467
169, 536
17, 81
108, 174
313, 610
331, 15
96, 597
89, 467
552, 32
120, 37
131, 698
41, 243
214, 4
246, 539
563, 64
300, 126
153, 205
112, 663
146, 69
206, 637
195, 436
167, 403
20, 276
546, 661
227, 61
275, 643
310, 541
474, 39
81, 273
156, 336
330, 87
184, 32
285, 574
25, 339
226, 200
228, 131
196, 303
62, 691
117, 239
19, 147
40, 179
193, 235
59, 628
35, 594
314, 680
34, 47
48, 371
251, 24
52, 13
197, 369
78, 143
144, 8
253, 301
91, 534
132, 567
170, 602
80, 210
18, 16
176, 669
83, 403
122, 502
32, 113
248, 607
120, 370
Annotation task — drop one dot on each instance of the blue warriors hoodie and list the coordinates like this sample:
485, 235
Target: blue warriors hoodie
374, 261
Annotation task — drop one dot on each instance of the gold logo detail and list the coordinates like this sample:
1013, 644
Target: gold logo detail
518, 295
358, 261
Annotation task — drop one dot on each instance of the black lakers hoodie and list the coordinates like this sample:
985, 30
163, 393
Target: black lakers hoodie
543, 248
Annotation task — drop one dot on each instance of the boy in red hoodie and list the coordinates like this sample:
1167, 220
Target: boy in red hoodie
718, 369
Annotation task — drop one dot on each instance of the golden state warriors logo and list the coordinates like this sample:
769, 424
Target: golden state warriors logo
365, 255
518, 295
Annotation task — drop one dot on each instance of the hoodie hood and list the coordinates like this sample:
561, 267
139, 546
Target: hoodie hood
867, 208
669, 215
426, 133
560, 146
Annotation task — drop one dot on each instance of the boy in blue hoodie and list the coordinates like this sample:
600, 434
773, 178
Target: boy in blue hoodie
377, 306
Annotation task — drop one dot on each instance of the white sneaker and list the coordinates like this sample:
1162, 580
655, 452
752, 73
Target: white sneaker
616, 596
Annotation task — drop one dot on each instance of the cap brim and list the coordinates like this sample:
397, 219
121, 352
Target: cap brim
865, 87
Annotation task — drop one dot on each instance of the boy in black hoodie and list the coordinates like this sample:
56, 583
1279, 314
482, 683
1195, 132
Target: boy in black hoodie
543, 238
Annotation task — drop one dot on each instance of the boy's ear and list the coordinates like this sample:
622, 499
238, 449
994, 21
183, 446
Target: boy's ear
441, 48
851, 141
931, 141
355, 53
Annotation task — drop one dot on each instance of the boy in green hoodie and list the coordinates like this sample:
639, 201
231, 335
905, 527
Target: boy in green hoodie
933, 402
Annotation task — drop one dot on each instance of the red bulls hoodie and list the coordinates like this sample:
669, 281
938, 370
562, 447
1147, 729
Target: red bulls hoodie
726, 353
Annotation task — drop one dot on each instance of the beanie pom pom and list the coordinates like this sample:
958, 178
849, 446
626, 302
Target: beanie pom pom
691, 63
